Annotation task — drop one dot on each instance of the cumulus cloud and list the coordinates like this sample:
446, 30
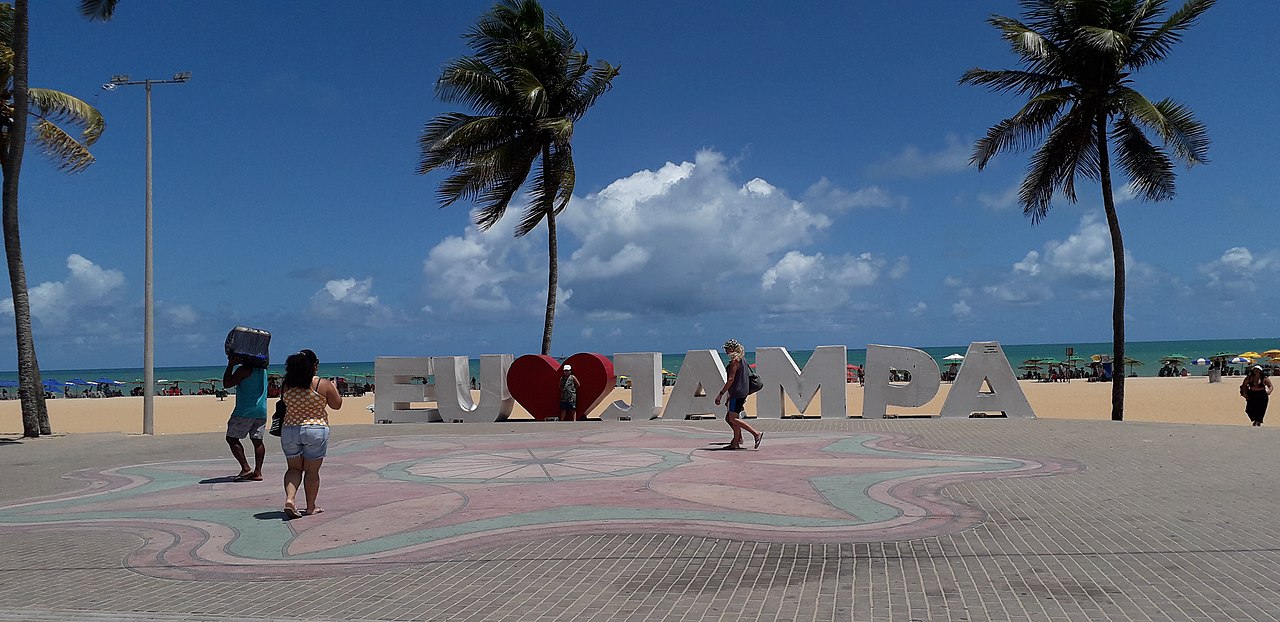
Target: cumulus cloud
961, 310
799, 282
912, 162
683, 239
87, 287
475, 272
1236, 275
691, 218
350, 301
1078, 267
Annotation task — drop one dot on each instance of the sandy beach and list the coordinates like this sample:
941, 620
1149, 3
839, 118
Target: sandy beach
1171, 400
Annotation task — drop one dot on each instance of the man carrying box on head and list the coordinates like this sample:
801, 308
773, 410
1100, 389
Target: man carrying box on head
249, 418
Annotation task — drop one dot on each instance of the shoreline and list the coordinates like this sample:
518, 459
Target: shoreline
1189, 399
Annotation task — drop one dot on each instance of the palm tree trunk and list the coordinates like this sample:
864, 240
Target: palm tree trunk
35, 418
553, 281
553, 263
1117, 254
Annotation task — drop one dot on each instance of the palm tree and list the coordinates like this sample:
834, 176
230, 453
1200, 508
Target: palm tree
528, 85
52, 110
1079, 57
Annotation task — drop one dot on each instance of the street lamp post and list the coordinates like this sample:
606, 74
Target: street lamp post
148, 334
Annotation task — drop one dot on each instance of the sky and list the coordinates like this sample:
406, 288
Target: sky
787, 173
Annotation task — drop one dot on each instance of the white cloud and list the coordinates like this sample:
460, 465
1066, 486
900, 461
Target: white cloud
350, 301
825, 195
914, 163
474, 272
1000, 201
799, 282
182, 315
684, 239
900, 268
918, 309
1237, 274
961, 309
87, 286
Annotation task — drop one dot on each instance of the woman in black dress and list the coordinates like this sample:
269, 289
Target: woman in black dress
1255, 389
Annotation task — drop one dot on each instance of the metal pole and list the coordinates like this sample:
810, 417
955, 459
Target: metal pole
148, 304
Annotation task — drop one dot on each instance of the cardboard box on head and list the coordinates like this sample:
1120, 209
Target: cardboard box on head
251, 343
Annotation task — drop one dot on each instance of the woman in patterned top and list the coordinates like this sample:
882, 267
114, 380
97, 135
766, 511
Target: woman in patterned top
304, 436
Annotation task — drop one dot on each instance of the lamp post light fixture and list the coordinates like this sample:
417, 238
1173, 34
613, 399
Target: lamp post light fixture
148, 335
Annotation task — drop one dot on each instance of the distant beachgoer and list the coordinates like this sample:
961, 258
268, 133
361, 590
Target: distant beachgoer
737, 387
568, 394
304, 435
1255, 390
249, 417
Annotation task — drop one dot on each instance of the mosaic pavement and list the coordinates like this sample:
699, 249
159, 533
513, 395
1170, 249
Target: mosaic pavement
411, 499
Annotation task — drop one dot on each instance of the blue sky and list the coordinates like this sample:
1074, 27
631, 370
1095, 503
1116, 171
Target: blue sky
790, 174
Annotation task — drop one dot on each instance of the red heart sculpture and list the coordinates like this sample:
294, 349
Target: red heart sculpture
534, 382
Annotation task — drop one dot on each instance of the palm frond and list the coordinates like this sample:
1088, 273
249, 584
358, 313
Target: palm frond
66, 153
1022, 129
1024, 40
59, 107
1174, 123
1070, 150
470, 81
1157, 46
99, 10
497, 196
1106, 40
530, 90
1004, 80
1148, 168
6, 26
598, 82
453, 139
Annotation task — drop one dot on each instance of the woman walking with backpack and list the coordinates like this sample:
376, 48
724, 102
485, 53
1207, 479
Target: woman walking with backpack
737, 387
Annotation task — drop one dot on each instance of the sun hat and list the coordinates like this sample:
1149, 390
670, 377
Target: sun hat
568, 368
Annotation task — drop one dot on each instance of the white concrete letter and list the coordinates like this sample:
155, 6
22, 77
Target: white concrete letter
702, 369
878, 394
825, 370
644, 369
453, 389
395, 389
985, 360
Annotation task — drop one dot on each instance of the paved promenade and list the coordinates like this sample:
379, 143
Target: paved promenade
903, 519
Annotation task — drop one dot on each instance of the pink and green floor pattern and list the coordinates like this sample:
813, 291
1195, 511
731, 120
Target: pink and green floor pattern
412, 499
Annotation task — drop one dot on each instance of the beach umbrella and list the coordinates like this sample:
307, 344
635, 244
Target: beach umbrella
1239, 360
1272, 354
105, 380
50, 382
1200, 361
1251, 355
8, 383
953, 357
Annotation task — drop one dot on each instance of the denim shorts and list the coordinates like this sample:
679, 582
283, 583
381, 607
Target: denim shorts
309, 441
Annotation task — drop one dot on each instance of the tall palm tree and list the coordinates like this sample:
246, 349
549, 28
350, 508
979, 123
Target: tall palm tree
528, 86
52, 110
1079, 57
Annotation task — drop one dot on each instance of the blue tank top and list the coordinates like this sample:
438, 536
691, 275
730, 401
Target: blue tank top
251, 396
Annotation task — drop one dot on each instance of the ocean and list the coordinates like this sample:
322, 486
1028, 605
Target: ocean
1149, 352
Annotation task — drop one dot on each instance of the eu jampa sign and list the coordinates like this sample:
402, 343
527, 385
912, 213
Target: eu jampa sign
531, 380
